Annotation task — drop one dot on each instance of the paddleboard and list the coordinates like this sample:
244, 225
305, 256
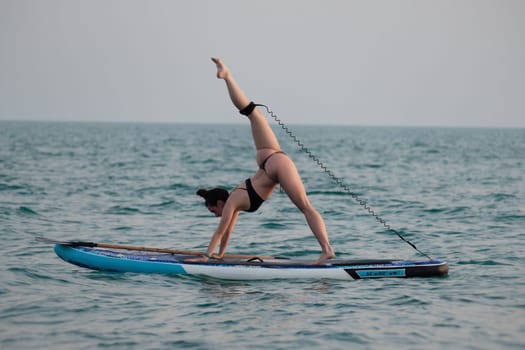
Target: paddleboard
254, 268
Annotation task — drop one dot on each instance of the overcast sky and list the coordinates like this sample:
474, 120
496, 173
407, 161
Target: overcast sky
417, 63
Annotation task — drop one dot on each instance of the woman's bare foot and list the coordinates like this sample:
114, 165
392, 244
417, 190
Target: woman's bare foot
325, 255
222, 71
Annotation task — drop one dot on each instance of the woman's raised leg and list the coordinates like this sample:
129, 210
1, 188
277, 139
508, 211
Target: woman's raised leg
263, 135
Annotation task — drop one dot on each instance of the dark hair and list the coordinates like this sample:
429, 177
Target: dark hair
214, 195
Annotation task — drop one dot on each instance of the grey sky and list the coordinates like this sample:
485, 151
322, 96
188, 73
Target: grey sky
424, 63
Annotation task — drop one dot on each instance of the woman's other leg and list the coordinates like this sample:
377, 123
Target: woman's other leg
292, 184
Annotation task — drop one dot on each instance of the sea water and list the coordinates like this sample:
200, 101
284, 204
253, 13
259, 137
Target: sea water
457, 194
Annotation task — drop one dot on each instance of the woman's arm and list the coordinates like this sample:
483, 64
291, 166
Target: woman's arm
228, 219
221, 234
226, 237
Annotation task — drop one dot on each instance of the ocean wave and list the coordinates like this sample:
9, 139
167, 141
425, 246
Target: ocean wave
330, 193
368, 166
180, 186
121, 210
447, 210
26, 211
498, 197
408, 300
167, 203
273, 226
122, 228
123, 164
480, 262
509, 218
6, 187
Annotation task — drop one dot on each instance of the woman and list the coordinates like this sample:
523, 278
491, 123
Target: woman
275, 167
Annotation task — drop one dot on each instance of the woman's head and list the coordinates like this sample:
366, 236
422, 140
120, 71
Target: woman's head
214, 199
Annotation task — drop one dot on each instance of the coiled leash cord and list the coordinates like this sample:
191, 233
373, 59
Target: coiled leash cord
339, 181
